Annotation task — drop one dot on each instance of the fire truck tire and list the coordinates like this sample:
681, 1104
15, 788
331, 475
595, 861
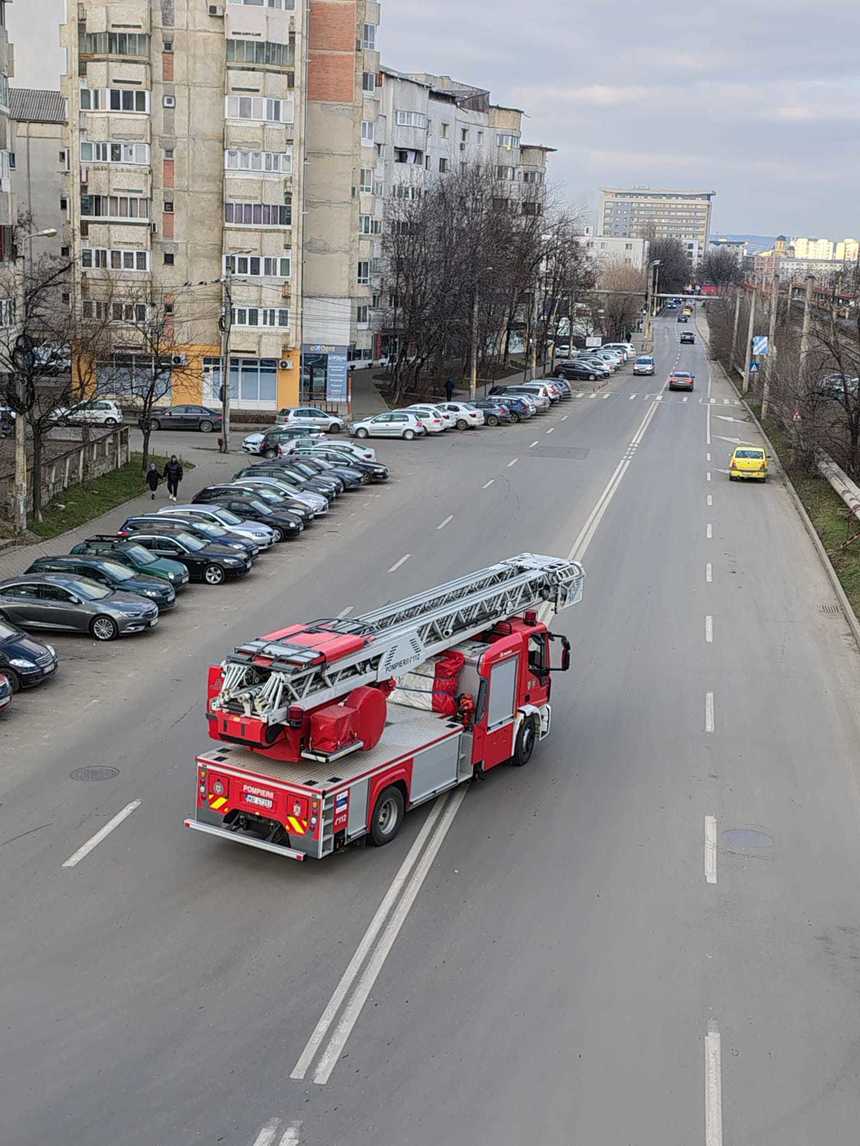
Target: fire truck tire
387, 818
526, 740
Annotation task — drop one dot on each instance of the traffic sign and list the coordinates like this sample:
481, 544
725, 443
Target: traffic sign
759, 346
795, 417
753, 368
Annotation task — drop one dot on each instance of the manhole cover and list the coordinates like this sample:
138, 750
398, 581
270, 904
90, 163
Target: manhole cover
743, 838
830, 610
94, 772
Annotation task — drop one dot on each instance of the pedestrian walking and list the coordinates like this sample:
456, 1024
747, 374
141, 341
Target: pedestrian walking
449, 389
173, 476
153, 478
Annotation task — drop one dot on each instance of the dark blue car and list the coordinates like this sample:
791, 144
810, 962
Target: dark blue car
24, 660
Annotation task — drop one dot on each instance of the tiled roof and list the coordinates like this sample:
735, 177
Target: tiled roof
32, 105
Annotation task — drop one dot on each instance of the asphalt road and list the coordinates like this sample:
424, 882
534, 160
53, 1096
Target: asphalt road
650, 936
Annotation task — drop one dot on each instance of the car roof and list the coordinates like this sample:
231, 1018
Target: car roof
63, 579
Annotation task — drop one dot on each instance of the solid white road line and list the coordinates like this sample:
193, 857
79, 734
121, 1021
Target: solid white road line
710, 499
707, 457
532, 445
367, 940
102, 834
708, 476
564, 417
447, 521
402, 561
487, 484
328, 1059
268, 1133
512, 462
709, 630
713, 1088
709, 573
709, 531
711, 849
551, 430
709, 712
707, 425
345, 612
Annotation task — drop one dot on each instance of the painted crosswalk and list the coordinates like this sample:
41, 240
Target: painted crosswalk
669, 396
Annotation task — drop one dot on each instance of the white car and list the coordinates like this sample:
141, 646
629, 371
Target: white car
310, 498
625, 349
465, 415
261, 535
398, 424
96, 412
430, 418
344, 446
310, 418
644, 364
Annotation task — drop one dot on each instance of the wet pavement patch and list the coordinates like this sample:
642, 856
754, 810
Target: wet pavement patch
743, 839
94, 772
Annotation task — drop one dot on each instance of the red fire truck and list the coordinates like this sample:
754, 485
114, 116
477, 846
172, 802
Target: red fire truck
330, 731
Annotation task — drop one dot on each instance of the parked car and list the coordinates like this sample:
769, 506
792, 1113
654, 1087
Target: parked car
111, 574
397, 424
284, 523
601, 367
835, 386
243, 529
430, 418
136, 558
441, 408
206, 532
276, 440
626, 349
328, 483
205, 419
285, 492
74, 604
310, 418
578, 371
24, 661
5, 692
212, 564
95, 412
681, 380
687, 338
352, 477
466, 415
610, 357
564, 386
356, 449
644, 364
376, 471
521, 407
495, 411
541, 401
294, 477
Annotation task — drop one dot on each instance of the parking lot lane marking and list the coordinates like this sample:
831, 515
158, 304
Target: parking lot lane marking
707, 425
708, 476
686, 398
710, 499
402, 561
564, 417
292, 1134
605, 396
709, 712
713, 1088
632, 396
367, 941
331, 1055
268, 1133
101, 834
709, 531
345, 612
709, 630
711, 849
707, 457
512, 462
551, 430
487, 484
532, 445
709, 573
447, 521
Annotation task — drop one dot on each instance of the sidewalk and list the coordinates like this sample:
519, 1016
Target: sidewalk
209, 467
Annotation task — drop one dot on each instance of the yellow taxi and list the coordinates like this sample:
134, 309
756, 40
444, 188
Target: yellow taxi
748, 462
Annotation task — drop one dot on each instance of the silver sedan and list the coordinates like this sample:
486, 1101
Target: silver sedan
74, 604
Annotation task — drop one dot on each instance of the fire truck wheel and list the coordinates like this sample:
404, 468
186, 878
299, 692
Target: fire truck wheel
526, 741
387, 816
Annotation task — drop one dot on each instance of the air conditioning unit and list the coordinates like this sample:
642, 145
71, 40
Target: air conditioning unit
285, 364
169, 101
178, 360
285, 290
216, 9
85, 176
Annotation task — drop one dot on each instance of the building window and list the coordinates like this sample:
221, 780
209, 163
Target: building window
169, 258
168, 206
259, 162
116, 258
251, 379
131, 207
260, 109
168, 153
258, 267
114, 44
444, 129
464, 134
366, 180
368, 36
281, 5
506, 173
362, 314
363, 276
480, 137
261, 53
443, 166
167, 46
7, 312
114, 99
258, 214
129, 153
410, 119
507, 141
366, 131
261, 317
368, 82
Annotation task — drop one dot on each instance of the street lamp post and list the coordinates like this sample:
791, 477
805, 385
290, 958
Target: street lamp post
650, 300
226, 325
20, 421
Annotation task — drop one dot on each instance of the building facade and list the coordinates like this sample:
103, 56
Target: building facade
8, 210
608, 251
213, 149
640, 212
40, 166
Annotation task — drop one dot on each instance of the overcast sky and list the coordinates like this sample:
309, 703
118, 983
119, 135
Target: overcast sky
758, 100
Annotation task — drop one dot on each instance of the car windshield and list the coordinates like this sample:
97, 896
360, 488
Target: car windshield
117, 571
88, 590
140, 555
267, 495
193, 543
7, 631
227, 517
209, 528
261, 507
644, 360
757, 455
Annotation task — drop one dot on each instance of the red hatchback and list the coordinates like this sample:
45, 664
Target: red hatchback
681, 380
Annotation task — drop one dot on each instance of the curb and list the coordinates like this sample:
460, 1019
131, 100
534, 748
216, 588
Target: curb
818, 545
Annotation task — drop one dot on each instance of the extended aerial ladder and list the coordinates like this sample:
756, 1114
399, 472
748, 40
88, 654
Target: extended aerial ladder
311, 665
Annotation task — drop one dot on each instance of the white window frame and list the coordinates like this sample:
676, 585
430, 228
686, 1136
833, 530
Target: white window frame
102, 151
261, 317
368, 37
363, 272
259, 266
367, 132
259, 164
411, 119
245, 204
262, 109
106, 258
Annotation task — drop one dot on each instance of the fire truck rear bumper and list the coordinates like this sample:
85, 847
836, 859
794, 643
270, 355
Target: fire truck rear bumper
249, 841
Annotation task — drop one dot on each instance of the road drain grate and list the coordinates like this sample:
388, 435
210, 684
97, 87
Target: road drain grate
94, 772
830, 610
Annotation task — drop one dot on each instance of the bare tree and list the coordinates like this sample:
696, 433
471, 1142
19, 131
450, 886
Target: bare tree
626, 287
721, 267
674, 265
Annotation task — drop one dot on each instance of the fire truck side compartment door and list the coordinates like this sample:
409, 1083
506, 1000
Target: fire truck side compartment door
435, 769
501, 709
357, 822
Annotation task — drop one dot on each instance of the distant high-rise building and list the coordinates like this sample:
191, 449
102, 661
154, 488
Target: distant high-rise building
40, 171
645, 213
847, 250
812, 248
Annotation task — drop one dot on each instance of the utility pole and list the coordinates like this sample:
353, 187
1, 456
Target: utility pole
226, 326
735, 328
473, 366
534, 330
770, 363
750, 330
807, 323
20, 420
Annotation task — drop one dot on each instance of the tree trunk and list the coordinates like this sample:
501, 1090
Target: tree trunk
147, 434
36, 472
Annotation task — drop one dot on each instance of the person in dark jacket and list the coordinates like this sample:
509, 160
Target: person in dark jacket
173, 476
153, 478
449, 389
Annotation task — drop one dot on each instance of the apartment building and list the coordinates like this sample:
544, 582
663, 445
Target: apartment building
213, 149
645, 213
7, 198
39, 165
611, 251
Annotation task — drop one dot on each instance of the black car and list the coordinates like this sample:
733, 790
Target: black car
201, 418
207, 532
111, 574
24, 660
5, 692
278, 498
137, 558
286, 524
688, 338
209, 563
578, 372
351, 476
292, 477
376, 471
496, 412
681, 318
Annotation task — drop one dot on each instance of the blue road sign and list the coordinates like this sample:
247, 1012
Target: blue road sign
759, 345
753, 368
